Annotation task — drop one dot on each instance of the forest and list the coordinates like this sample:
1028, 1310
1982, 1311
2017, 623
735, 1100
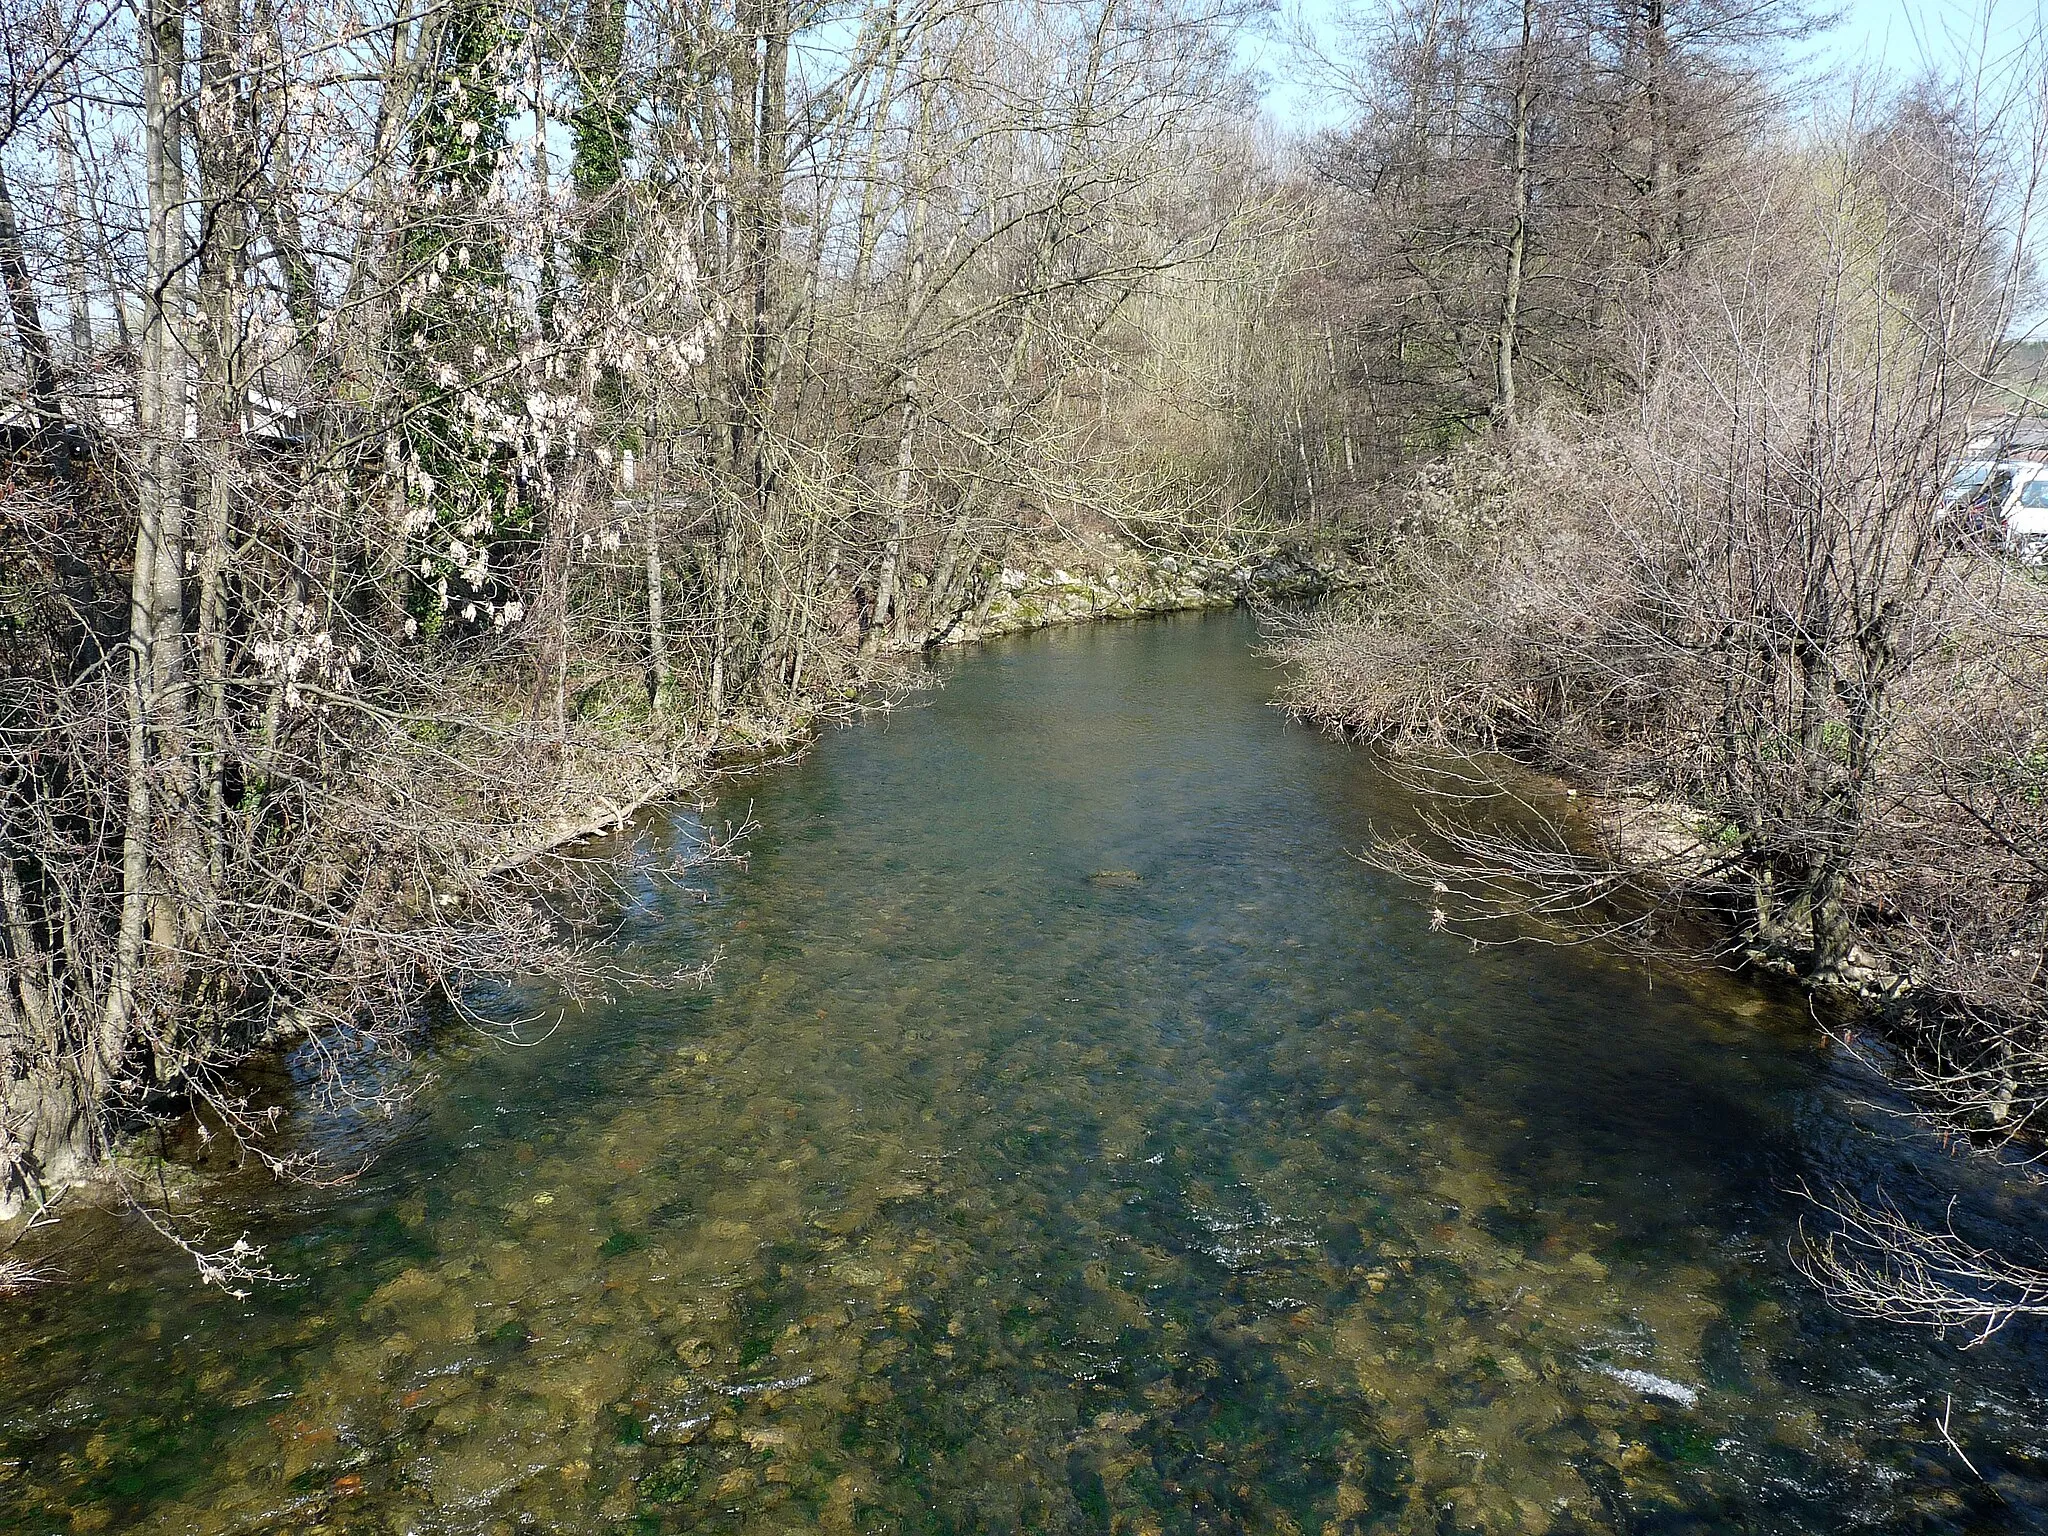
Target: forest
434, 429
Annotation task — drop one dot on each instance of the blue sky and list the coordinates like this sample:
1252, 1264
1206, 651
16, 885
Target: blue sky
1898, 36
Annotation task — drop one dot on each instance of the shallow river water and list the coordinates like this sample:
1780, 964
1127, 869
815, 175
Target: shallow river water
1072, 1136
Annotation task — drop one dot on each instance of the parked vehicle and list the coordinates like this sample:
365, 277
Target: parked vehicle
2026, 518
2003, 502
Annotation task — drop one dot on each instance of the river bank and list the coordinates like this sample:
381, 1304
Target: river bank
1883, 864
1113, 580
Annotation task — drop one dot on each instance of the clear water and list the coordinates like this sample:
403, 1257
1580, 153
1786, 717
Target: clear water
1072, 1137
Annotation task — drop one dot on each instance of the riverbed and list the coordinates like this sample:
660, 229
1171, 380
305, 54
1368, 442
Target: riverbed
1071, 1134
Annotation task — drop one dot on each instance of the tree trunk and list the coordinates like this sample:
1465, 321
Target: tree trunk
224, 176
1343, 400
886, 585
1508, 340
657, 629
38, 364
74, 248
155, 610
1308, 472
1657, 104
868, 225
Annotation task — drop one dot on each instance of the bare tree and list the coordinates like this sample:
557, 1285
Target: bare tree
1735, 610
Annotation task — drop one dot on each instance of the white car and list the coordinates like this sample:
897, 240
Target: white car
2026, 517
2003, 501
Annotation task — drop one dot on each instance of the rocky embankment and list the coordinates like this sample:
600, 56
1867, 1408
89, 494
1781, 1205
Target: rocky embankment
1112, 581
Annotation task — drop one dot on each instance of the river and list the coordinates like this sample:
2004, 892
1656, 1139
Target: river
1073, 1135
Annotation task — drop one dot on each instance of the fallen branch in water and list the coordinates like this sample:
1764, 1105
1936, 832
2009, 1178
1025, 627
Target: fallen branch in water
610, 817
1880, 1263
